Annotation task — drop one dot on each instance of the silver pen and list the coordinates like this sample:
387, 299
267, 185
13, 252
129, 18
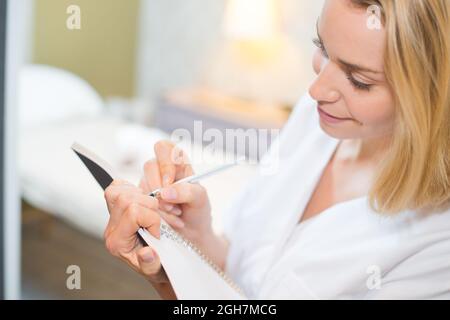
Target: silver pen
197, 177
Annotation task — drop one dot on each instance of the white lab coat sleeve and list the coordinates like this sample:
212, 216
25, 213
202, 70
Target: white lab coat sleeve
425, 275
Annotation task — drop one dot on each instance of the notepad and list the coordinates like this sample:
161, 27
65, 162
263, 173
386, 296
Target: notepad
191, 273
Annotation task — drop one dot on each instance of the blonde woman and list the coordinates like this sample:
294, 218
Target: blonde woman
359, 207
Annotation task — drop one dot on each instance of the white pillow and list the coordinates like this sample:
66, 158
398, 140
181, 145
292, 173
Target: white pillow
48, 94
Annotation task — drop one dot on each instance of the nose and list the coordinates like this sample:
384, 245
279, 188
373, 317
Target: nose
324, 86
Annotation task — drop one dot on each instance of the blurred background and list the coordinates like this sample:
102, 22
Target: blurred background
117, 76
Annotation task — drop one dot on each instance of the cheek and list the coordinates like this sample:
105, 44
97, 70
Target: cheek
373, 109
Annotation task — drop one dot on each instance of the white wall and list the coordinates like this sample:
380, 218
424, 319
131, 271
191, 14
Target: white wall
180, 44
175, 37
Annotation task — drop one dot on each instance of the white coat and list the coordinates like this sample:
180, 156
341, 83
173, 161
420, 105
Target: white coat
348, 251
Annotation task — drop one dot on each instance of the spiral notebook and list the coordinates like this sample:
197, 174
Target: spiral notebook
192, 274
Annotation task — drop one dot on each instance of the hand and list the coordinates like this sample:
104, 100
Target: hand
184, 206
130, 209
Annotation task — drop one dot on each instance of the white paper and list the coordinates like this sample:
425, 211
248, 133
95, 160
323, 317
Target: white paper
190, 276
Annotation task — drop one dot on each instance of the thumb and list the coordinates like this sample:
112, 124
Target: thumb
149, 262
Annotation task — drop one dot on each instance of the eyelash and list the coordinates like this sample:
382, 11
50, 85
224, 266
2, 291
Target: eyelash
319, 44
355, 83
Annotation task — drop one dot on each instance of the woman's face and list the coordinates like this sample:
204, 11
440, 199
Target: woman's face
354, 99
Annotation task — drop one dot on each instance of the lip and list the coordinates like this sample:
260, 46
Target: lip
329, 118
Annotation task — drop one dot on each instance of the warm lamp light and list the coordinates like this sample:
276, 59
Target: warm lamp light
251, 20
257, 60
253, 31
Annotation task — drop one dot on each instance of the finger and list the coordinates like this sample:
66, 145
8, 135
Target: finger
167, 207
117, 187
152, 175
183, 193
121, 183
125, 199
178, 156
149, 263
176, 210
170, 208
188, 171
135, 217
183, 168
164, 156
119, 198
152, 179
143, 185
172, 220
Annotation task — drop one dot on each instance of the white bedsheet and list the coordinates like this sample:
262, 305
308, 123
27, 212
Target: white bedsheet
53, 178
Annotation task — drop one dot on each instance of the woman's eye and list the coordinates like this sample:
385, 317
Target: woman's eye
358, 84
319, 44
355, 83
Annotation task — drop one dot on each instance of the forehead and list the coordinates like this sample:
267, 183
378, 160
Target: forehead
344, 31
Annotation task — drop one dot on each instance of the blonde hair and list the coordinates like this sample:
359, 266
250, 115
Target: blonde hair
415, 174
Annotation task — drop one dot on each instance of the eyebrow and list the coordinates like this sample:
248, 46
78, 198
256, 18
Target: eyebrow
350, 66
354, 67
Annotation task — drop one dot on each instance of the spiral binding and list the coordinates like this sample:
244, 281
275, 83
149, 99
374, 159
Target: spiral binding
169, 233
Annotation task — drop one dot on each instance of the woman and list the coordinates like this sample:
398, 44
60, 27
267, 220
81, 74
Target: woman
360, 205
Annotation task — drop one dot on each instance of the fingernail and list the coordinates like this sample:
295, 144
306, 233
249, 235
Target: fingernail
168, 206
166, 180
169, 193
148, 257
176, 211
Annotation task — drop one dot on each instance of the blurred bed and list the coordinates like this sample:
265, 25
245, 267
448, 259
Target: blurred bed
56, 109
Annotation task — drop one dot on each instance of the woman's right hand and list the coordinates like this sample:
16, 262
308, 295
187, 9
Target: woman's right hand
184, 206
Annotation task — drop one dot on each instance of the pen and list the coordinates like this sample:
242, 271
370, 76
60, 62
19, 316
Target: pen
197, 177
